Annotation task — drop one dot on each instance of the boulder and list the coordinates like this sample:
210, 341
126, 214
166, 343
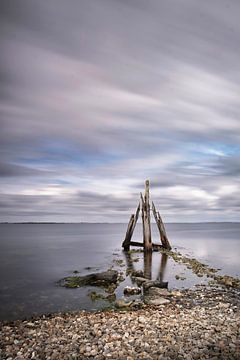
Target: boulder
104, 278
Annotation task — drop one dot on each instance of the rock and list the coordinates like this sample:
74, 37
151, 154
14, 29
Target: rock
142, 319
157, 292
176, 293
139, 280
30, 325
156, 283
137, 273
131, 290
104, 278
121, 303
178, 277
156, 301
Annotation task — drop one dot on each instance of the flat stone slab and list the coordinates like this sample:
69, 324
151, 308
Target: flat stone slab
104, 278
157, 292
156, 301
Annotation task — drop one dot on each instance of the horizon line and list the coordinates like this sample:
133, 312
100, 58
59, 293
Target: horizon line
104, 222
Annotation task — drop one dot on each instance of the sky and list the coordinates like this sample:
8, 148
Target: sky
96, 96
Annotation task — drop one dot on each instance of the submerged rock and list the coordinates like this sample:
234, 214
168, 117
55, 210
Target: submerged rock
104, 278
98, 296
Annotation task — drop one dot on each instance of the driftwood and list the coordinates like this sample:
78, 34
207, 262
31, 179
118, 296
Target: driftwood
130, 229
147, 240
161, 228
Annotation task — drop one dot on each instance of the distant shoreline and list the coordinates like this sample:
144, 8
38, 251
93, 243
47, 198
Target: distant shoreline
112, 223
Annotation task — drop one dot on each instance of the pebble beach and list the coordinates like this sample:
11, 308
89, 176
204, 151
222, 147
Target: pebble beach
200, 324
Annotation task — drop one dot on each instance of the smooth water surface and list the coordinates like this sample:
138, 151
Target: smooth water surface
33, 257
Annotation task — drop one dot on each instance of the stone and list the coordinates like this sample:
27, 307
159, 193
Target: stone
156, 292
137, 273
156, 283
121, 303
131, 290
156, 301
104, 278
139, 280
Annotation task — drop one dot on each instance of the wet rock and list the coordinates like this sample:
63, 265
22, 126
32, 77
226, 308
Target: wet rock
121, 303
139, 280
156, 283
99, 296
132, 290
157, 292
104, 278
137, 273
156, 301
180, 277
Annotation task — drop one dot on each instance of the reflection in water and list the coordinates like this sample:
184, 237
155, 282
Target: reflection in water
148, 265
147, 268
162, 268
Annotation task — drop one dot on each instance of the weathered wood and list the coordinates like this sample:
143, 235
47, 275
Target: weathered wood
147, 240
130, 229
161, 228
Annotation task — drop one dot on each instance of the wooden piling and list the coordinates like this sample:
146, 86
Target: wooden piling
147, 240
161, 228
130, 229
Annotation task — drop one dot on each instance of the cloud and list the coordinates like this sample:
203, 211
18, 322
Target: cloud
98, 96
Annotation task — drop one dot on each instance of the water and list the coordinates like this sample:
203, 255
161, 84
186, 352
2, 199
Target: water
33, 257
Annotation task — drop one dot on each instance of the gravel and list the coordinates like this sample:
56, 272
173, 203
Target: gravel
201, 324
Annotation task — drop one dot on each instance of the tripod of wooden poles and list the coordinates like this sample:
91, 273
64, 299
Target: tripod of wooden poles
146, 220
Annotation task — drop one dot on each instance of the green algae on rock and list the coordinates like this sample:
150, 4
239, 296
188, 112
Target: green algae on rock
105, 279
201, 269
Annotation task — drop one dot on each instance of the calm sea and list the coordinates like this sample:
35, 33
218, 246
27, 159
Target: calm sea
34, 257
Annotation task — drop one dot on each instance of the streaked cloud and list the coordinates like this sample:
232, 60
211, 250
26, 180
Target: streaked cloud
98, 96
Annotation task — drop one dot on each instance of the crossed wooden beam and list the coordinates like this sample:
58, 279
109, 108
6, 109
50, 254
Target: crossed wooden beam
146, 220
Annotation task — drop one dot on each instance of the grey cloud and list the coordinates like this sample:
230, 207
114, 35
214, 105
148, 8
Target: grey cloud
113, 92
13, 170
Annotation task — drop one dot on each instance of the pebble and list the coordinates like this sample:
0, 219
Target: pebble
200, 324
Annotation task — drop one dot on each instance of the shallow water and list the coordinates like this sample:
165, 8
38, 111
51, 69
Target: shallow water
33, 257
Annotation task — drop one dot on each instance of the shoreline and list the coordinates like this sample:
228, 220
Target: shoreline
201, 323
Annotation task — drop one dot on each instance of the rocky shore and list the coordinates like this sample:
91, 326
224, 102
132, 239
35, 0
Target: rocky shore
199, 324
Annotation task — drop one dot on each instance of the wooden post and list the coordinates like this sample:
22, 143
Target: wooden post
130, 229
161, 228
147, 241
